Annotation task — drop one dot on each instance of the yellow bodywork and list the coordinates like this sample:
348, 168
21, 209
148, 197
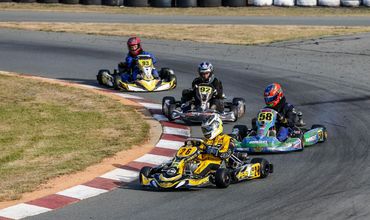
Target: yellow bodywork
148, 85
250, 172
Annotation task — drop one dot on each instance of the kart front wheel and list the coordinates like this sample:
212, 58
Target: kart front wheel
145, 171
324, 132
100, 76
168, 105
222, 178
266, 167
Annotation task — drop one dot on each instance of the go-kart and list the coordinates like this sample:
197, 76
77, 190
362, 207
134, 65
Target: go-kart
196, 113
262, 139
185, 171
145, 81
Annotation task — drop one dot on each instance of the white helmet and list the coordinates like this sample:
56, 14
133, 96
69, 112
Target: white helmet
206, 67
212, 126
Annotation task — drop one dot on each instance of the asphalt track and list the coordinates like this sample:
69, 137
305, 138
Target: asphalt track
128, 18
327, 79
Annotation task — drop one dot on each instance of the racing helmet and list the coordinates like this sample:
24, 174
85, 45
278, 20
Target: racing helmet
134, 46
273, 94
206, 68
212, 126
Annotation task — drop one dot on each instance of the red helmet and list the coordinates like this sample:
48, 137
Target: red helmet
134, 46
273, 94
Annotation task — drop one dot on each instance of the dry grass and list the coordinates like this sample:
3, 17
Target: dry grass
218, 11
227, 34
48, 130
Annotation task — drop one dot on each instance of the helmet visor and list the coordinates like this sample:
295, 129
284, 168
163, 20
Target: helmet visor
133, 47
207, 130
269, 99
205, 74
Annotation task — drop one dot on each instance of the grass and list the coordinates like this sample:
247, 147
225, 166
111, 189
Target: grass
48, 130
227, 34
217, 11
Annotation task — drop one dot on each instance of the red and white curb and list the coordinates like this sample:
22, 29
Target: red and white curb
173, 136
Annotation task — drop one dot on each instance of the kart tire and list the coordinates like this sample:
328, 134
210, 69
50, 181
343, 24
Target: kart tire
145, 171
166, 74
70, 2
242, 131
48, 1
25, 1
266, 167
324, 130
240, 106
222, 178
167, 109
90, 2
99, 77
186, 3
162, 3
112, 2
137, 3
234, 3
209, 3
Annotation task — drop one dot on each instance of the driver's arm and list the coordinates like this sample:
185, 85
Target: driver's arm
291, 117
218, 86
130, 62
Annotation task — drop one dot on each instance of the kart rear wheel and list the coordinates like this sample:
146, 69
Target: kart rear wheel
168, 105
145, 171
167, 74
239, 103
266, 167
325, 132
222, 178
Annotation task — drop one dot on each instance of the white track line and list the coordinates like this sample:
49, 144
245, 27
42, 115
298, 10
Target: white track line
22, 210
121, 175
128, 96
153, 159
170, 144
82, 192
151, 105
176, 131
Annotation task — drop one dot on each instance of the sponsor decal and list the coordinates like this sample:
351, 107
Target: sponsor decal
311, 139
257, 142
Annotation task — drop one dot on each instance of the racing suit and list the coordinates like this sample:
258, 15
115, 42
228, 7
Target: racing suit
214, 152
287, 119
130, 66
187, 94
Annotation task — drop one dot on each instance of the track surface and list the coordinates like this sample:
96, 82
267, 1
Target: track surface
127, 18
328, 79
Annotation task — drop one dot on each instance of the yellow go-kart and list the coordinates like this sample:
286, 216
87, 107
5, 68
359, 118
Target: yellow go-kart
185, 171
145, 82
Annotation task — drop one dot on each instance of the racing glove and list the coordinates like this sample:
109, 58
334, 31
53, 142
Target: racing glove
213, 151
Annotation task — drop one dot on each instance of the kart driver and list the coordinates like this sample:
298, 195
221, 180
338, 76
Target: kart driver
206, 75
275, 99
135, 49
217, 146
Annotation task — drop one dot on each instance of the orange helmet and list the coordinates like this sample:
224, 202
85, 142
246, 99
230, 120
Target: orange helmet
273, 94
134, 45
